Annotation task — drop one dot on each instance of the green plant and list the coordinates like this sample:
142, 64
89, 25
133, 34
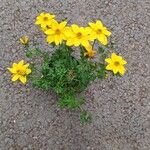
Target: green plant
62, 72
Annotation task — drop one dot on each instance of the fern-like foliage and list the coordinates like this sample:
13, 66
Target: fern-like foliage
65, 75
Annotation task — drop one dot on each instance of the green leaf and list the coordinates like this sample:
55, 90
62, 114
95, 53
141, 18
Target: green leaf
29, 53
102, 66
102, 71
101, 49
85, 117
70, 101
41, 83
103, 56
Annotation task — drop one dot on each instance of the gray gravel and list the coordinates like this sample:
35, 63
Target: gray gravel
30, 118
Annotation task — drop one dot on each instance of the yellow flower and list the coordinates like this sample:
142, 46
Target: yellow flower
89, 52
56, 33
24, 40
116, 64
44, 20
77, 36
100, 32
20, 71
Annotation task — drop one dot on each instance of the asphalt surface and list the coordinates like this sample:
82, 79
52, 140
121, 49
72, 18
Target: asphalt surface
120, 107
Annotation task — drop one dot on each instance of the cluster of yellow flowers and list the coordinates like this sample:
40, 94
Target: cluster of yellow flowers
73, 35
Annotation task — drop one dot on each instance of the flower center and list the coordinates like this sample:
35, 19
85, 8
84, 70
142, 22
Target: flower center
57, 32
21, 72
45, 18
79, 35
99, 31
116, 63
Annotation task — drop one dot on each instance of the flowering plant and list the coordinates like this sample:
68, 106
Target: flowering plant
62, 72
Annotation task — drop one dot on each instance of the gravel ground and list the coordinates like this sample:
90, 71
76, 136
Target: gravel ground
30, 118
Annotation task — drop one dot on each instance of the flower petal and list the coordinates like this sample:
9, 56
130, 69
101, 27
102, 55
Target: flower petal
122, 70
123, 62
109, 67
21, 62
113, 56
103, 39
28, 71
63, 24
14, 65
15, 77
85, 43
50, 39
49, 32
68, 32
76, 42
26, 65
69, 42
92, 25
58, 40
75, 28
12, 70
108, 60
115, 70
23, 79
99, 24
106, 32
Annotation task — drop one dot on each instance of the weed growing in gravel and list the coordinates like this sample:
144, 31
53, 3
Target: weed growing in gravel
62, 72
